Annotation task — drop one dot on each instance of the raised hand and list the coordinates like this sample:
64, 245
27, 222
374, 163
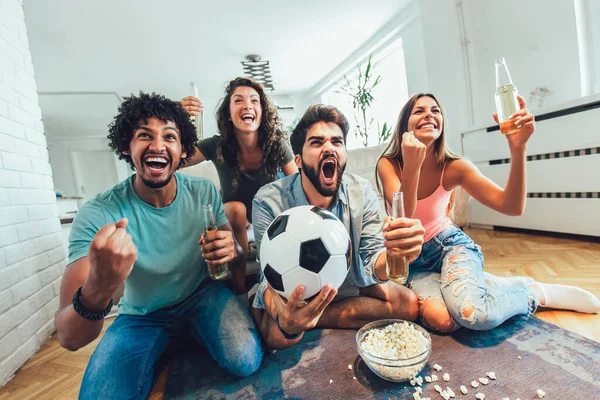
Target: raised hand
413, 150
218, 247
191, 105
296, 316
403, 237
111, 257
524, 121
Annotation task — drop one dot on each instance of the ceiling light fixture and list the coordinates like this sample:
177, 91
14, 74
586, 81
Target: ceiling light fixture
258, 70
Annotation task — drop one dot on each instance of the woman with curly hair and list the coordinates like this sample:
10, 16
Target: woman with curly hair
249, 151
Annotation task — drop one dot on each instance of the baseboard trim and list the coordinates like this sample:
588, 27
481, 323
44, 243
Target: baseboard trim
561, 235
481, 226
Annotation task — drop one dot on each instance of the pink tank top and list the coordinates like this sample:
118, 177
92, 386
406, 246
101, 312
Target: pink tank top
432, 211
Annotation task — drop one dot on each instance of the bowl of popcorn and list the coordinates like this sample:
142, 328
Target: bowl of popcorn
394, 349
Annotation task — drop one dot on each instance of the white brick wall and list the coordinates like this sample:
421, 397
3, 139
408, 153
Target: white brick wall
32, 258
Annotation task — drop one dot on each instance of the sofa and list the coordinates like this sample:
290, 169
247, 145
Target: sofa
360, 162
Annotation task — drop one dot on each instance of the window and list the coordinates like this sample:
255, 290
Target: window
390, 94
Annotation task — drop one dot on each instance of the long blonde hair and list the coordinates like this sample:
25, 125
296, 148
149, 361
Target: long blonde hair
393, 151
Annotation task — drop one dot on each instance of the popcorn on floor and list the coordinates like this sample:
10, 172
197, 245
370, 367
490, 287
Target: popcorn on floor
485, 381
480, 396
437, 367
474, 384
463, 389
491, 375
540, 393
446, 377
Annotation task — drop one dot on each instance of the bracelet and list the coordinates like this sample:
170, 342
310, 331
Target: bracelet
284, 333
86, 313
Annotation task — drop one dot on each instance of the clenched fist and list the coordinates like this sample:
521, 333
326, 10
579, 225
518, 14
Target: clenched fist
111, 258
413, 150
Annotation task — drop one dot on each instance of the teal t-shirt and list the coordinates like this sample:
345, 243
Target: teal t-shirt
170, 264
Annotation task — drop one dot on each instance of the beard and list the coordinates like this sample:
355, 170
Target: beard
156, 184
314, 176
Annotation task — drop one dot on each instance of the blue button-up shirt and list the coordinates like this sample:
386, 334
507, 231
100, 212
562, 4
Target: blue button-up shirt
356, 205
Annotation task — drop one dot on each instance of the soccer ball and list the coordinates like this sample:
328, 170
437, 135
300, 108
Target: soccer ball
306, 246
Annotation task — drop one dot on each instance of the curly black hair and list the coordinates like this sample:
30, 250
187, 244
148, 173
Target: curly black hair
136, 110
271, 136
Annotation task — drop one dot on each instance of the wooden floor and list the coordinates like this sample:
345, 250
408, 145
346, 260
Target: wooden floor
54, 373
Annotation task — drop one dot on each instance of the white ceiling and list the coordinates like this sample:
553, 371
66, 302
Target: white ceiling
127, 46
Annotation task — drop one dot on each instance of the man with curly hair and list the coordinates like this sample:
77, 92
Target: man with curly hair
146, 232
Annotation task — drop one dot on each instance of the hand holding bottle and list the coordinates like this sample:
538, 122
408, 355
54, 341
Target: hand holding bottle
192, 105
524, 125
218, 247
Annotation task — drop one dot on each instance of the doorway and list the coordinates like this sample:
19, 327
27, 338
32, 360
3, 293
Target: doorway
94, 172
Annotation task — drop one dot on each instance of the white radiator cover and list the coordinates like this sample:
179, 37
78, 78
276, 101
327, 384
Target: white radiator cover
573, 174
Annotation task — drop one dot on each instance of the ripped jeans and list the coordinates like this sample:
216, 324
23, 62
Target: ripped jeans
450, 268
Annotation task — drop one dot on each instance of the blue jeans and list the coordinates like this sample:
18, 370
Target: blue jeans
450, 268
128, 358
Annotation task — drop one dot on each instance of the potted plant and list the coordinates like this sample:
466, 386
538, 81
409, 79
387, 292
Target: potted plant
361, 93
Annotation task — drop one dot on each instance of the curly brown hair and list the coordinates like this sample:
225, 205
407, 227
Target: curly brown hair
271, 136
136, 110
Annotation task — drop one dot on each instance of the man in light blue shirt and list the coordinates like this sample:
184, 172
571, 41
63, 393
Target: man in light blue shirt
319, 144
148, 233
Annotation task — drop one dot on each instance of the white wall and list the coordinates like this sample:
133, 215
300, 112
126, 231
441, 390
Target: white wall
540, 51
538, 39
593, 19
414, 58
32, 259
406, 26
446, 73
60, 159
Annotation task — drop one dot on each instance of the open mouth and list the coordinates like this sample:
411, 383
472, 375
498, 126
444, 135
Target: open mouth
248, 118
156, 165
427, 125
328, 170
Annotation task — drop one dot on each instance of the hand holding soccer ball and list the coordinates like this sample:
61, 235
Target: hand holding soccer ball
306, 246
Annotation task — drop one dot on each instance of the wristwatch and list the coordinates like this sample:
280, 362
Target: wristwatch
284, 333
86, 313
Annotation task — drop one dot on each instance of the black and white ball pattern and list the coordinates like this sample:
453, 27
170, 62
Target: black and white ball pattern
305, 245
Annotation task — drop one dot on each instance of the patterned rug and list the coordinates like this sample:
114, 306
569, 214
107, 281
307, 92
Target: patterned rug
526, 355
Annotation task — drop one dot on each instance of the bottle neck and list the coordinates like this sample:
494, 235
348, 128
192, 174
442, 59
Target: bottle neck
209, 218
398, 205
502, 75
193, 89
